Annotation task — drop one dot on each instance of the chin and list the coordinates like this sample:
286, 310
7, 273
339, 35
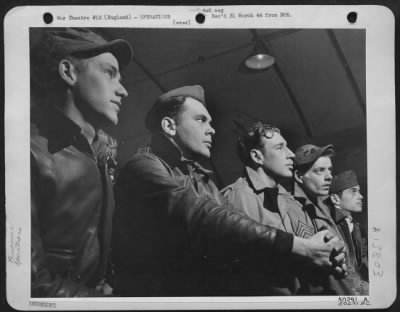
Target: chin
109, 120
205, 154
114, 121
288, 174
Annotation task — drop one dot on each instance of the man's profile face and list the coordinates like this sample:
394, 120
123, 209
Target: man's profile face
351, 199
98, 90
277, 157
193, 129
317, 180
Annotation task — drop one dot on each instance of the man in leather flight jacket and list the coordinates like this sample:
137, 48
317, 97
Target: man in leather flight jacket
76, 91
173, 231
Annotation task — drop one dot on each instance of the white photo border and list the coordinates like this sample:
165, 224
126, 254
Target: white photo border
378, 21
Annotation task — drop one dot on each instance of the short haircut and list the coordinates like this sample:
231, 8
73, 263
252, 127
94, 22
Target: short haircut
251, 138
164, 108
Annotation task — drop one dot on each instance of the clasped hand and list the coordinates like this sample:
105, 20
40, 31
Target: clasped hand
329, 251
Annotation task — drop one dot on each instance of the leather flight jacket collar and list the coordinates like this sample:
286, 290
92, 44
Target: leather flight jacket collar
164, 148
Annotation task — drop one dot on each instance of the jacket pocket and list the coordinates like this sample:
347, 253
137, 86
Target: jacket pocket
61, 261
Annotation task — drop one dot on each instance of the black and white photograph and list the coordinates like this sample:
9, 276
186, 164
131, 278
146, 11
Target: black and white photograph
218, 156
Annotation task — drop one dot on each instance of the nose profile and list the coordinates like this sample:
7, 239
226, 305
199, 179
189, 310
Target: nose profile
289, 153
211, 130
328, 176
121, 91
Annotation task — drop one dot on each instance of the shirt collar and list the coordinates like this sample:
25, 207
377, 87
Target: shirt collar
257, 183
340, 214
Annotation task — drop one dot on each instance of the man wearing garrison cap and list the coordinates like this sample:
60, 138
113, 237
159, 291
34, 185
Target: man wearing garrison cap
346, 199
76, 91
175, 232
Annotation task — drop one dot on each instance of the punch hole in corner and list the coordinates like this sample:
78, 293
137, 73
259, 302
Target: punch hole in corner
352, 17
47, 18
200, 18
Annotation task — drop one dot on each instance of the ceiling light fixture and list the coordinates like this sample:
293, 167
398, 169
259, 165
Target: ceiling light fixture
259, 60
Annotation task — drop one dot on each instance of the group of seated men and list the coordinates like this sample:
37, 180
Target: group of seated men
163, 228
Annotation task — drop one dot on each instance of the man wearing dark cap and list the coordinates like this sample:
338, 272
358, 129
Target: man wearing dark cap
268, 161
346, 199
313, 178
314, 170
76, 91
175, 231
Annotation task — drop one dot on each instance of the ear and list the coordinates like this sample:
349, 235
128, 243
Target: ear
256, 156
67, 71
335, 199
298, 177
168, 125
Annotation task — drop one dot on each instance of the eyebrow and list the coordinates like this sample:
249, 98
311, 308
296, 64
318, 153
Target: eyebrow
323, 167
204, 116
279, 144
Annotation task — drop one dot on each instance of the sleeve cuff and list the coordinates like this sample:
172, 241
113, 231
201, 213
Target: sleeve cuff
283, 242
